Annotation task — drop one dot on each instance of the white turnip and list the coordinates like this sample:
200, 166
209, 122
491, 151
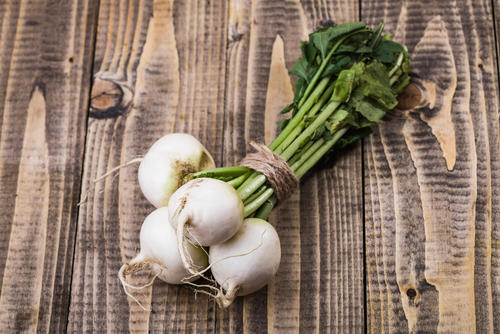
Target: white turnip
206, 212
159, 253
166, 164
246, 262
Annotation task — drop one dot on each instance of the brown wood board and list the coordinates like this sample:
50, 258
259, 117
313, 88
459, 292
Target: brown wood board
151, 74
110, 115
46, 53
321, 225
432, 176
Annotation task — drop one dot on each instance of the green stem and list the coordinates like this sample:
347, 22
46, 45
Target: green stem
256, 194
300, 140
250, 185
321, 102
295, 132
319, 153
256, 204
221, 171
399, 61
224, 178
239, 180
402, 83
378, 33
249, 179
393, 79
266, 208
318, 73
307, 153
298, 154
315, 95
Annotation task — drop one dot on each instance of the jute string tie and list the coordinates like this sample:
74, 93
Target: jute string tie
274, 168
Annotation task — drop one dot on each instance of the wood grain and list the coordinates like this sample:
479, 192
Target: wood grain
495, 185
152, 69
432, 174
319, 264
429, 245
46, 49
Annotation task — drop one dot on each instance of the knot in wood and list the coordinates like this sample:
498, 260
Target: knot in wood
109, 98
410, 97
411, 293
274, 168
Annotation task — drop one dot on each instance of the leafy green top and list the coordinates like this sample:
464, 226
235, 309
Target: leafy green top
367, 71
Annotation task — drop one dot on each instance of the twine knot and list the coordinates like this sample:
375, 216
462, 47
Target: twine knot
274, 168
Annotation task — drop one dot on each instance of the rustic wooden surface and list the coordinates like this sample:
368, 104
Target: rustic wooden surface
401, 235
45, 60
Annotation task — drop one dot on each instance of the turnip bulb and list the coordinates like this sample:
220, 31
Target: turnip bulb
246, 262
206, 212
168, 161
211, 211
159, 253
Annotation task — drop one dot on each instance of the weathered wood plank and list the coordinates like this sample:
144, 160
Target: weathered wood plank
320, 282
432, 177
495, 193
196, 44
160, 68
496, 19
46, 50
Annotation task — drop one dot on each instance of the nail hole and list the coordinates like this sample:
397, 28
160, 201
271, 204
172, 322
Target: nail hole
480, 65
411, 293
70, 59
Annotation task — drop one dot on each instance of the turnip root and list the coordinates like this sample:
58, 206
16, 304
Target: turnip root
246, 262
205, 211
167, 162
159, 253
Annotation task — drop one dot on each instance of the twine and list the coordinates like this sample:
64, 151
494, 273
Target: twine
274, 168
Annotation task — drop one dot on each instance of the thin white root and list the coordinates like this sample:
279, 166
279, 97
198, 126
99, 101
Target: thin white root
134, 299
133, 268
192, 237
105, 175
199, 273
206, 293
114, 169
224, 300
202, 285
187, 280
181, 243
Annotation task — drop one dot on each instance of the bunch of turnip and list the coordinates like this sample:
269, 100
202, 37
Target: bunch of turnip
192, 215
215, 218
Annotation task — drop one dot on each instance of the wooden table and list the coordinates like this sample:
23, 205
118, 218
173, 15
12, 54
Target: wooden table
401, 235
